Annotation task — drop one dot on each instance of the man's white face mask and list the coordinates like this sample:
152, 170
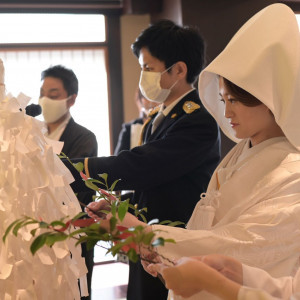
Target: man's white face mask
53, 110
150, 86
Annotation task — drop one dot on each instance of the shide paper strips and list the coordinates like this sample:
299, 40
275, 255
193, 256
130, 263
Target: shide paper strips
34, 182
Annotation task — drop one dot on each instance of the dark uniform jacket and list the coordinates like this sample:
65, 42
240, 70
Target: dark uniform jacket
168, 173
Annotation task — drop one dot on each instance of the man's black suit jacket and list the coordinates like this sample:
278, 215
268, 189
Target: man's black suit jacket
125, 136
78, 141
168, 174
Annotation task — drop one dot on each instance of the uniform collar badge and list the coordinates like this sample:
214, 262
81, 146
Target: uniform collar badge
154, 111
190, 106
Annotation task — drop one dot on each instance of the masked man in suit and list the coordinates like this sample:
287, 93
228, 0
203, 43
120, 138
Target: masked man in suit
58, 93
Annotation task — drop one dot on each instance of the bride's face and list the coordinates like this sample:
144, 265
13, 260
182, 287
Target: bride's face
254, 122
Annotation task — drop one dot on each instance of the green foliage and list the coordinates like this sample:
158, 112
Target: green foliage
119, 239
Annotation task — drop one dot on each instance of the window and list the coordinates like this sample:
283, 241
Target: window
23, 66
23, 72
51, 28
26, 51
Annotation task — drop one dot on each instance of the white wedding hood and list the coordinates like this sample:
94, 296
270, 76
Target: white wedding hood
263, 58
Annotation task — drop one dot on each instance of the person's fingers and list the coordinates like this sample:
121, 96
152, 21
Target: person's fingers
147, 258
156, 268
93, 205
93, 209
227, 266
197, 257
213, 261
92, 215
149, 269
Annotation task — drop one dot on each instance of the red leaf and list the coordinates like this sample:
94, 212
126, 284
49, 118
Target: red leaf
126, 248
83, 222
121, 228
110, 197
83, 176
124, 235
78, 223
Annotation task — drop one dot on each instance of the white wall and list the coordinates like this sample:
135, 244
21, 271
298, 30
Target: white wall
131, 27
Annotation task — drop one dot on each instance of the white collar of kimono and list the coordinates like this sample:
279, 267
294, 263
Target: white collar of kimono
263, 58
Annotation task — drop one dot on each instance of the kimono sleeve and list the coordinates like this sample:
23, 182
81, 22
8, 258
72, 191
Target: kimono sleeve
266, 237
259, 280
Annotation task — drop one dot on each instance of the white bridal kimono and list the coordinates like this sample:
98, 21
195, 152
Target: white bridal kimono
251, 210
266, 287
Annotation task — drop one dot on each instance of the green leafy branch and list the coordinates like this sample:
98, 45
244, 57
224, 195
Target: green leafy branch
107, 193
120, 240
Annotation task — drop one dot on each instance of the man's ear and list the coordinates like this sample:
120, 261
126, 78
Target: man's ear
71, 101
180, 70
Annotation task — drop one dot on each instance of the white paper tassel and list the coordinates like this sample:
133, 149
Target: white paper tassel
34, 182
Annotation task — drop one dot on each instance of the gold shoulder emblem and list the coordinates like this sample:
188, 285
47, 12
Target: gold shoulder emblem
154, 111
190, 106
174, 116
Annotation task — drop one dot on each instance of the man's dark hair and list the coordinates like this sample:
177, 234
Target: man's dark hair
171, 43
67, 76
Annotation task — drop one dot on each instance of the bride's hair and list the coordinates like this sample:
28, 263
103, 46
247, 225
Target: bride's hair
240, 94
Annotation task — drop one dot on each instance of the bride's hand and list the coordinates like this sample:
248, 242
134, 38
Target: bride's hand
214, 273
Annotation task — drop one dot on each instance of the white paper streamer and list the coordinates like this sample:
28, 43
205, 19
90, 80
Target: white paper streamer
34, 182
